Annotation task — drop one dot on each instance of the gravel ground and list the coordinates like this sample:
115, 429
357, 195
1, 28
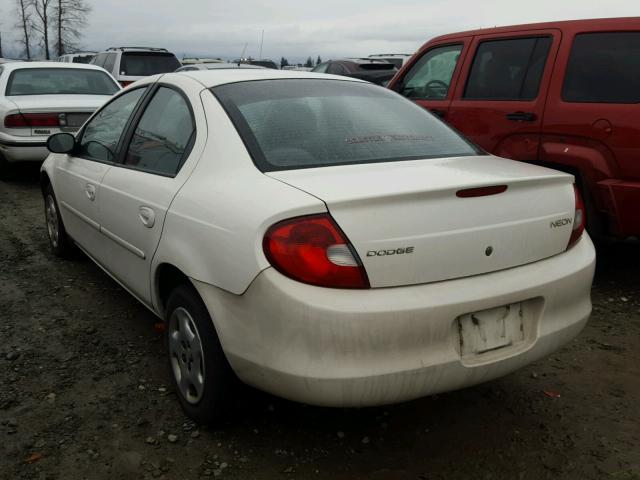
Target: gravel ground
84, 392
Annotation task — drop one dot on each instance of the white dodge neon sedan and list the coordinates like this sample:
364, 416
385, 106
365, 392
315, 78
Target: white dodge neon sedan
319, 237
38, 99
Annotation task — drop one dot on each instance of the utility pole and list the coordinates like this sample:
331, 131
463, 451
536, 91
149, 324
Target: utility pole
261, 42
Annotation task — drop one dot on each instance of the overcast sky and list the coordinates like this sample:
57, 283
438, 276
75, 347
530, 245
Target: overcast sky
299, 28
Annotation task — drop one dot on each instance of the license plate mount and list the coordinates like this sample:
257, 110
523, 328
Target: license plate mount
490, 330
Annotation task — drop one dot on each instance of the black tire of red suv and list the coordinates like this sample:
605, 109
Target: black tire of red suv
6, 172
595, 221
213, 404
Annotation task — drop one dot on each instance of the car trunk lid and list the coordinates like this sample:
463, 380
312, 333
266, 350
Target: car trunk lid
72, 111
422, 221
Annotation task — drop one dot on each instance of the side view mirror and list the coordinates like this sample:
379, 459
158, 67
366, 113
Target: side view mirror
61, 143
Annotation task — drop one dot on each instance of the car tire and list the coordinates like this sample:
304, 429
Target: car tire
595, 221
203, 379
6, 171
60, 243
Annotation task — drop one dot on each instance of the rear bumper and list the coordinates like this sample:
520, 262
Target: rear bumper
370, 347
15, 149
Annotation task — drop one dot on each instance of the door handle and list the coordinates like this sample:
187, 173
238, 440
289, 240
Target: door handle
438, 113
90, 190
147, 216
521, 116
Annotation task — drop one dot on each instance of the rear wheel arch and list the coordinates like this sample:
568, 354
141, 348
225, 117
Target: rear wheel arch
45, 181
5, 168
167, 278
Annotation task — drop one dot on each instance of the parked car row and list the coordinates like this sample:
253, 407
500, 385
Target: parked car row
339, 243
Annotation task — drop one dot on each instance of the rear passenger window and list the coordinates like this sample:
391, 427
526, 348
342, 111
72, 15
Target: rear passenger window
603, 68
110, 62
508, 69
336, 69
99, 60
430, 77
163, 136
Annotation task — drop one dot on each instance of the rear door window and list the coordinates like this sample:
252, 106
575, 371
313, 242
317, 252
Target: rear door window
110, 62
163, 135
603, 68
508, 69
99, 59
430, 77
143, 64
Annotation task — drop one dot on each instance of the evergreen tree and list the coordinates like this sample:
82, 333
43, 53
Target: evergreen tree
309, 62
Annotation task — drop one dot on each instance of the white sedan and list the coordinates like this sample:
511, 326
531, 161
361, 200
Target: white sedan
38, 99
319, 237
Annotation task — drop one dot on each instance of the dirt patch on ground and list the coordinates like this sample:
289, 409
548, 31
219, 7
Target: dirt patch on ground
84, 392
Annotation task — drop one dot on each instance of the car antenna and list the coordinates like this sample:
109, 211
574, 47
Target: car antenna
242, 55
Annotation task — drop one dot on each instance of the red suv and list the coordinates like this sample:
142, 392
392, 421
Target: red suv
564, 95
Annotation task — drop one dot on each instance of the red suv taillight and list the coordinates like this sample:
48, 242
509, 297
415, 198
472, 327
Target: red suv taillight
22, 120
579, 219
312, 249
125, 83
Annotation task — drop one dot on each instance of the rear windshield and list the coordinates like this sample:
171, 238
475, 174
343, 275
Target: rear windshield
143, 64
396, 61
264, 63
83, 59
377, 66
60, 81
294, 123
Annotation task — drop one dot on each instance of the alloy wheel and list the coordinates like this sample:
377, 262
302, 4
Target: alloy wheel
51, 213
187, 357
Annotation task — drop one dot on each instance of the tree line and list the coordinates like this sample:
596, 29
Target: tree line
309, 63
48, 26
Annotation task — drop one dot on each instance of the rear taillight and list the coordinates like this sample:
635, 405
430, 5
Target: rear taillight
22, 120
312, 249
579, 219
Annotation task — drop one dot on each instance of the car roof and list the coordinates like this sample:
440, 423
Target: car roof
136, 49
213, 78
599, 23
216, 66
362, 60
223, 66
69, 66
376, 55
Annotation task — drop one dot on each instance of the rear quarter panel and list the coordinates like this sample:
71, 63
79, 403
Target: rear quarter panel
214, 228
